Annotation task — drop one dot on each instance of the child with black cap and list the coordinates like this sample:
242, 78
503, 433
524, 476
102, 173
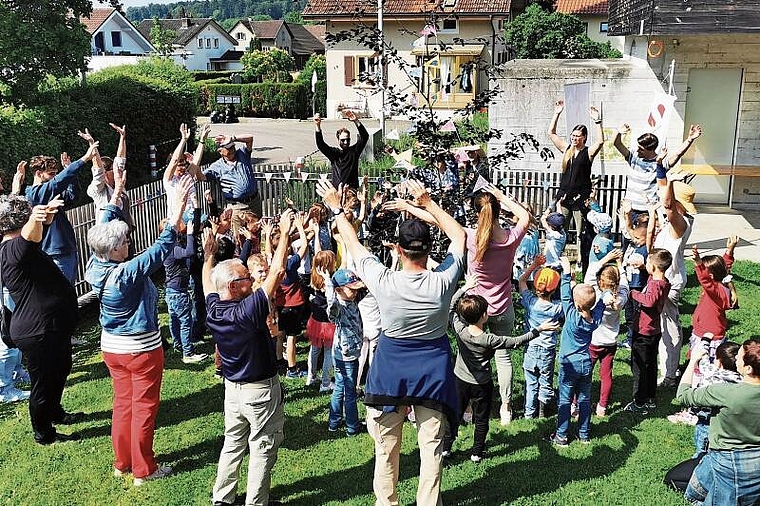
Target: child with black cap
554, 226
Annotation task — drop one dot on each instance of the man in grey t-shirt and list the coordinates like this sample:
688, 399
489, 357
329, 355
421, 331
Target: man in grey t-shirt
412, 364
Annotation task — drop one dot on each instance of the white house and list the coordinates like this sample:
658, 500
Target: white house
113, 39
442, 63
200, 43
296, 40
595, 14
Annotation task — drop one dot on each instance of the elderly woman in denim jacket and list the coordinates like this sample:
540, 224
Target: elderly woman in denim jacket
130, 339
730, 472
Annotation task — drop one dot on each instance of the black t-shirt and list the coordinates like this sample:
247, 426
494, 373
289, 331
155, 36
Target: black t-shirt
345, 163
45, 300
576, 180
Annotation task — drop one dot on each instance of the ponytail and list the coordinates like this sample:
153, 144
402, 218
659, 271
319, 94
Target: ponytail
488, 210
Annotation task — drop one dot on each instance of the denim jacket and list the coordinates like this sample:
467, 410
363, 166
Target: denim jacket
349, 337
129, 304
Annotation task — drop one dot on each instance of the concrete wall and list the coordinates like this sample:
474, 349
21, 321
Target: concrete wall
625, 89
397, 33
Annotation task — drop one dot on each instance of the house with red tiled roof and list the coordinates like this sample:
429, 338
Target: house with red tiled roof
595, 14
292, 38
113, 39
199, 43
441, 42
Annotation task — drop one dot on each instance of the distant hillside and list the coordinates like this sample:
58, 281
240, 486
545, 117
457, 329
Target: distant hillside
217, 9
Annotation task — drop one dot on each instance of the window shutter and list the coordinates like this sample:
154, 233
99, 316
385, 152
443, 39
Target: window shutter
348, 70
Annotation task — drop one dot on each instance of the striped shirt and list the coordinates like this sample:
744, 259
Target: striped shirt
236, 177
642, 181
136, 343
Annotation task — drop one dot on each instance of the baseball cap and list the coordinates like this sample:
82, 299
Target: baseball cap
345, 277
414, 235
556, 220
546, 280
228, 145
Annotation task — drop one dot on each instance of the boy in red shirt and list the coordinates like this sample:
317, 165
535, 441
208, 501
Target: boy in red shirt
647, 332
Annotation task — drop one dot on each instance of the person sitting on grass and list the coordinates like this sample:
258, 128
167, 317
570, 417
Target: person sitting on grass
341, 292
583, 314
540, 354
468, 315
648, 331
253, 398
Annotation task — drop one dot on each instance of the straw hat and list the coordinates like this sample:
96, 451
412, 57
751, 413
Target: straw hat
685, 194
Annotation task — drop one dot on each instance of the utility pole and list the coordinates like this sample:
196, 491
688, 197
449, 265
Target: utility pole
381, 78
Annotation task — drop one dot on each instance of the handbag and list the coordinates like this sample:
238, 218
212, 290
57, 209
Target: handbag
678, 477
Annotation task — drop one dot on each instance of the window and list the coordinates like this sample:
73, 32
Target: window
116, 39
240, 36
603, 27
449, 25
460, 77
208, 43
200, 42
361, 70
216, 43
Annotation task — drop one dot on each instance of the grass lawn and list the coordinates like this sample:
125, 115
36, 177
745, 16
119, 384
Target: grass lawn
624, 464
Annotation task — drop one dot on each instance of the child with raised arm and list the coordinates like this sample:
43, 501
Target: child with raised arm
341, 291
648, 331
583, 314
541, 352
472, 369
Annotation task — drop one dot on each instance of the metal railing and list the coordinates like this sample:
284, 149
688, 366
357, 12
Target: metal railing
149, 202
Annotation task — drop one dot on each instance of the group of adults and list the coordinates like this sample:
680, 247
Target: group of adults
412, 365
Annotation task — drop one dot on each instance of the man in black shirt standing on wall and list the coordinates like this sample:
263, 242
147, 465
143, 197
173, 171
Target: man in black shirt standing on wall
345, 158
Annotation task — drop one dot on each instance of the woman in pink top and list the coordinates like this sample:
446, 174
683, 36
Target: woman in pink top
490, 254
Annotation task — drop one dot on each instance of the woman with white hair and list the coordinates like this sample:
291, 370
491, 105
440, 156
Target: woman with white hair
44, 318
131, 339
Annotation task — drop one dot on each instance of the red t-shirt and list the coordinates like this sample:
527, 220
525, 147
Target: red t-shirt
652, 300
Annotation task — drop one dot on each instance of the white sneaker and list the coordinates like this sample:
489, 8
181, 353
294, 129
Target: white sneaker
161, 472
118, 473
505, 414
75, 341
310, 380
194, 358
21, 376
13, 394
327, 388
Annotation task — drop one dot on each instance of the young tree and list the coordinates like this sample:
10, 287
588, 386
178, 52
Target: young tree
537, 33
38, 38
294, 17
265, 65
162, 38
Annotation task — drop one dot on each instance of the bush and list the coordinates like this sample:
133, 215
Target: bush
261, 100
133, 95
204, 75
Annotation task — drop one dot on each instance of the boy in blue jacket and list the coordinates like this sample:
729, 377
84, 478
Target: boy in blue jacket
583, 313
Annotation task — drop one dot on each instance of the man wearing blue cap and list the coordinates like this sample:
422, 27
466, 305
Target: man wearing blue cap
412, 363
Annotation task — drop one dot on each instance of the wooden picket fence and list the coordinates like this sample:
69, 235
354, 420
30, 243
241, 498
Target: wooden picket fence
149, 202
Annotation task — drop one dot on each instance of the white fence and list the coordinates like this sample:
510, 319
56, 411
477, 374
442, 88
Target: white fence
149, 202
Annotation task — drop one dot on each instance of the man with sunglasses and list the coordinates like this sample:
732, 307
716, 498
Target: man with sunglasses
344, 159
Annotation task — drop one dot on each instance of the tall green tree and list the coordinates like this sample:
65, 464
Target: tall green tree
294, 17
162, 38
537, 33
37, 38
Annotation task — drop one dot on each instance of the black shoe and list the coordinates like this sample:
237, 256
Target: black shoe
546, 409
70, 418
61, 438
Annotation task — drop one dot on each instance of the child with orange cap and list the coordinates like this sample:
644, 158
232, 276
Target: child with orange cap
541, 352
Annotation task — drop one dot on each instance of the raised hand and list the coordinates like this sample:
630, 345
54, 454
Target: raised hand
90, 154
317, 120
183, 190
624, 129
731, 243
695, 255
350, 115
559, 106
39, 214
324, 273
329, 194
204, 133
538, 260
396, 204
18, 178
594, 113
419, 192
496, 192
565, 262
86, 135
209, 243
184, 131
286, 220
122, 130
694, 132
54, 204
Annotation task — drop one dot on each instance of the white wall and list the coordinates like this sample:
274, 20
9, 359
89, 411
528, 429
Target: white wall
593, 24
242, 44
198, 58
131, 40
96, 63
397, 34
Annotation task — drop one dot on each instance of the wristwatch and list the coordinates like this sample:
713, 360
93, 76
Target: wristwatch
337, 211
535, 332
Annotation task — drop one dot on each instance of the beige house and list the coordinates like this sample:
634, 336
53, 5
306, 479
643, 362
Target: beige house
296, 40
595, 13
440, 42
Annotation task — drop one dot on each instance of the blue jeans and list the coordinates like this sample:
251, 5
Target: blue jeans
67, 264
726, 477
10, 361
574, 380
180, 320
539, 377
344, 392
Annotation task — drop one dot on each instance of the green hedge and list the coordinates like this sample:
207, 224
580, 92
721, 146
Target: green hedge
320, 97
150, 107
261, 100
204, 75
